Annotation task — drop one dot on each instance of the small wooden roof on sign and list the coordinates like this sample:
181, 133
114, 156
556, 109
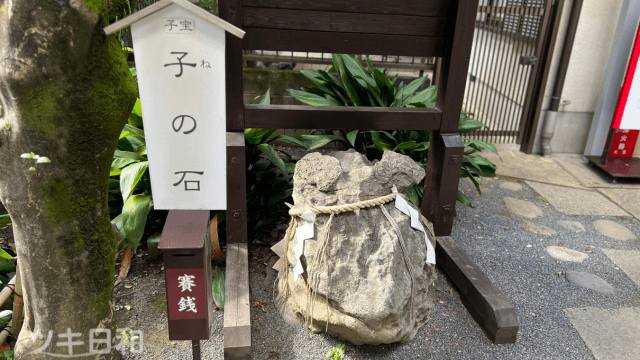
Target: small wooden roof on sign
137, 16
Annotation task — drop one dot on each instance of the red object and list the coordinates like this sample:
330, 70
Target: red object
626, 84
624, 143
186, 294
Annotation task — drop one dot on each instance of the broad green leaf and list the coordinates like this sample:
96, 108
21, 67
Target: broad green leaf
271, 154
415, 84
480, 145
33, 169
322, 83
317, 141
6, 267
137, 108
119, 163
349, 82
335, 84
130, 177
126, 154
381, 142
43, 160
115, 172
142, 150
405, 146
469, 125
287, 139
5, 255
130, 130
5, 219
356, 69
352, 136
313, 99
218, 289
5, 316
465, 173
152, 245
28, 155
266, 98
425, 96
470, 160
463, 199
413, 196
133, 219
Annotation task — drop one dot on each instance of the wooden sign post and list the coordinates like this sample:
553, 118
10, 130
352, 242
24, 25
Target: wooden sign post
180, 61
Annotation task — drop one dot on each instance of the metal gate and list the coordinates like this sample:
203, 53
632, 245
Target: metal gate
507, 43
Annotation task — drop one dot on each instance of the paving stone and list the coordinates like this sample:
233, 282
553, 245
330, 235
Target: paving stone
588, 281
572, 201
538, 228
513, 163
564, 254
628, 261
610, 335
613, 230
626, 199
511, 186
572, 225
522, 208
590, 176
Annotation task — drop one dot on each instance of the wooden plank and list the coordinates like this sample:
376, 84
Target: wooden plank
441, 181
342, 43
491, 310
340, 117
231, 11
232, 276
237, 328
396, 7
327, 61
244, 313
455, 62
237, 343
236, 195
342, 22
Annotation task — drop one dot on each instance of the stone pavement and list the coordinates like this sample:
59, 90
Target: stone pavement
568, 185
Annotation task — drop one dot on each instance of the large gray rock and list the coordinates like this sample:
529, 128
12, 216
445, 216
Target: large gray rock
364, 272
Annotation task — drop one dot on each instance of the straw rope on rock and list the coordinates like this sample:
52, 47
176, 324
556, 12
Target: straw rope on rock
365, 278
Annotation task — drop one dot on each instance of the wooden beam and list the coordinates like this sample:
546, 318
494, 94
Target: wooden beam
342, 43
491, 310
340, 117
455, 63
396, 7
286, 19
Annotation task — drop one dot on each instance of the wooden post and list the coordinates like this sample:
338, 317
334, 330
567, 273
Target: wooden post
441, 181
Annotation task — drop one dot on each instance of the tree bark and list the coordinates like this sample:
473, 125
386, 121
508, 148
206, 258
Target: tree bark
66, 92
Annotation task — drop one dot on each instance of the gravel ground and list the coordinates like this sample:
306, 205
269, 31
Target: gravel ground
499, 244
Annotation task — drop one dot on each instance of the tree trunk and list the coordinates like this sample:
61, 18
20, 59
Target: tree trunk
66, 93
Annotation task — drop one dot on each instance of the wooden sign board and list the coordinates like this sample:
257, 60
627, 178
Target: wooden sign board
180, 60
627, 112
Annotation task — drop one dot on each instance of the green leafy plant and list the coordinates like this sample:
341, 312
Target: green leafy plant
37, 160
8, 355
349, 83
269, 178
543, 199
130, 198
6, 264
218, 288
337, 352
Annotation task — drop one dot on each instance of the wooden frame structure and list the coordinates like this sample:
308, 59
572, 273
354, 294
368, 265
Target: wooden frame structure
430, 28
